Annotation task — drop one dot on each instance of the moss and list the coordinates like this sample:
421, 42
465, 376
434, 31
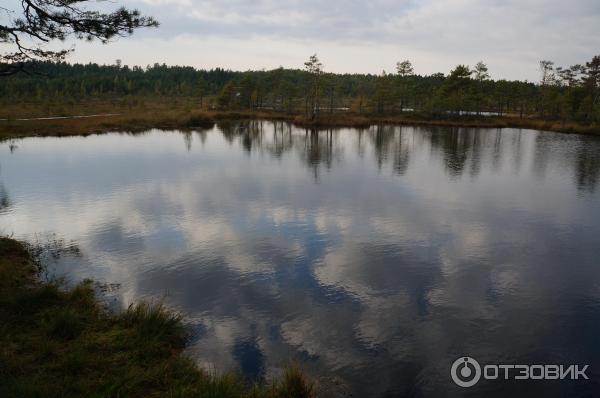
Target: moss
57, 342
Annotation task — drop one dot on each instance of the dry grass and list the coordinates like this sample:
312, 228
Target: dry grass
334, 120
140, 114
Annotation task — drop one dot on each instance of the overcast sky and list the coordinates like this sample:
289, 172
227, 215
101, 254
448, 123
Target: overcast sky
511, 36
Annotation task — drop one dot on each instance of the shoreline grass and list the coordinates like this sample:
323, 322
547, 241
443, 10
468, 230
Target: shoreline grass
184, 114
59, 342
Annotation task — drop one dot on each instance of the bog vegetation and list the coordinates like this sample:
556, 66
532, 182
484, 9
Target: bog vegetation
563, 94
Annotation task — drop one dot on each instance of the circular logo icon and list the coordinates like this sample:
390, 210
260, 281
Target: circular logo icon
465, 372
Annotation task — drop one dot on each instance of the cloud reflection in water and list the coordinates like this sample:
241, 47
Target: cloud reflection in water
373, 256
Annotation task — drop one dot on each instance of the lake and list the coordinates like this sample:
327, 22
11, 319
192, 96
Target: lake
375, 258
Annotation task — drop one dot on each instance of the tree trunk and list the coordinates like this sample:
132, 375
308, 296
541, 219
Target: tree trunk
521, 111
331, 102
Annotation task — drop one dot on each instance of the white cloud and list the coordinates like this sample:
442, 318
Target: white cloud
359, 36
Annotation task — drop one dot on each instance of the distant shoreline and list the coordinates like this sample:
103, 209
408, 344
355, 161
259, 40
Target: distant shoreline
140, 120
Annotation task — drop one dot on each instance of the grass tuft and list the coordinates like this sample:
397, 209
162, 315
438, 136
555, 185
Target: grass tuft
154, 321
63, 323
296, 384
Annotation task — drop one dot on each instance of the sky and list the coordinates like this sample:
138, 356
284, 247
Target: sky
511, 36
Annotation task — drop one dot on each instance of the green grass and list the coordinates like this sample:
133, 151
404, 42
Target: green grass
57, 342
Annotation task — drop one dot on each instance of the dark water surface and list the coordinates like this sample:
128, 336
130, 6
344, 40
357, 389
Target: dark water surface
375, 257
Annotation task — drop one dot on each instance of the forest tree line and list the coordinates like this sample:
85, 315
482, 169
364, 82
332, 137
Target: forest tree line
562, 93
